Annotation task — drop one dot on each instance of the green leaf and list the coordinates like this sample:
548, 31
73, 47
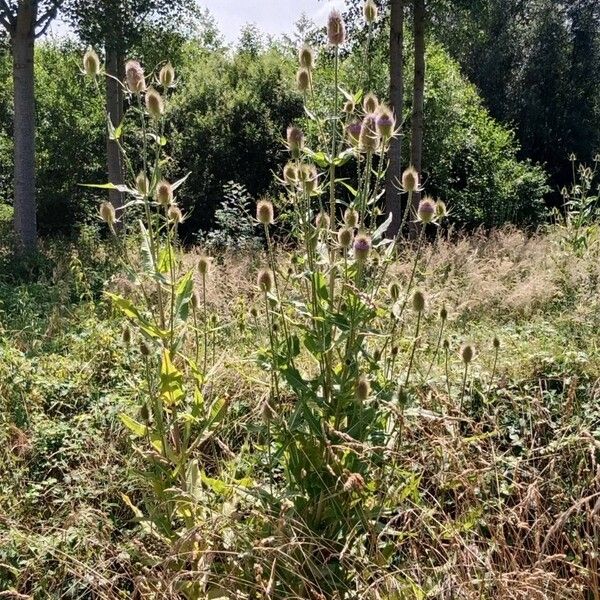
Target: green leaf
185, 290
137, 428
171, 381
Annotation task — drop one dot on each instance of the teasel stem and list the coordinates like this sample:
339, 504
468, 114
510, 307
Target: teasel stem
366, 188
205, 325
446, 351
172, 283
496, 350
414, 349
274, 377
412, 275
464, 386
196, 336
437, 349
334, 127
406, 213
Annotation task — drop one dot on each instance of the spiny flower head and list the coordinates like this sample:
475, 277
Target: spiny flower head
309, 177
426, 210
349, 107
394, 291
264, 212
303, 79
142, 184
440, 209
444, 313
362, 247
174, 214
108, 214
496, 343
290, 173
203, 264
295, 140
369, 136
418, 301
322, 220
386, 122
410, 180
264, 280
154, 103
370, 11
134, 74
363, 389
166, 76
336, 30
91, 63
164, 193
351, 217
354, 483
345, 237
370, 103
467, 353
353, 131
306, 57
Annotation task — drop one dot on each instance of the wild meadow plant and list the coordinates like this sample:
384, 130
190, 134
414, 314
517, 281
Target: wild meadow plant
343, 349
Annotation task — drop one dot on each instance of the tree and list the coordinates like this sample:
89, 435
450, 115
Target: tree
417, 121
25, 20
117, 25
393, 195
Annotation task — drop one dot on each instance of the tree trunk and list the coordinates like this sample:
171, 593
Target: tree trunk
417, 125
393, 197
22, 46
114, 109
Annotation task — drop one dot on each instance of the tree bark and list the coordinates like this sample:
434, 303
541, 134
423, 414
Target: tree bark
114, 108
417, 124
22, 47
393, 196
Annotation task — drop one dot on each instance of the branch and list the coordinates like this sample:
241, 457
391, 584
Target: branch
7, 16
47, 18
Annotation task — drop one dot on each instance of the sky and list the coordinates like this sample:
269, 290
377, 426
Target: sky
274, 17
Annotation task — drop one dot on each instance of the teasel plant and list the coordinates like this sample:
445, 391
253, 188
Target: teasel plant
167, 312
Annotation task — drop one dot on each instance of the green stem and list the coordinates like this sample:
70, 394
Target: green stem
414, 348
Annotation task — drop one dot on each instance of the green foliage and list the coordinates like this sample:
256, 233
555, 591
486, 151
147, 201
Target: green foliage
228, 118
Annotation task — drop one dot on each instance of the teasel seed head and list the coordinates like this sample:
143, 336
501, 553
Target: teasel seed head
306, 57
418, 301
394, 291
345, 237
441, 211
467, 353
154, 104
134, 74
142, 184
290, 173
369, 136
303, 80
496, 343
426, 210
174, 214
353, 131
354, 483
395, 350
91, 63
410, 180
309, 177
363, 389
264, 280
336, 29
370, 103
386, 122
351, 217
370, 11
377, 355
362, 247
295, 141
443, 313
264, 212
322, 220
144, 349
126, 336
195, 300
203, 264
166, 76
446, 344
349, 107
108, 214
266, 412
254, 312
164, 193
